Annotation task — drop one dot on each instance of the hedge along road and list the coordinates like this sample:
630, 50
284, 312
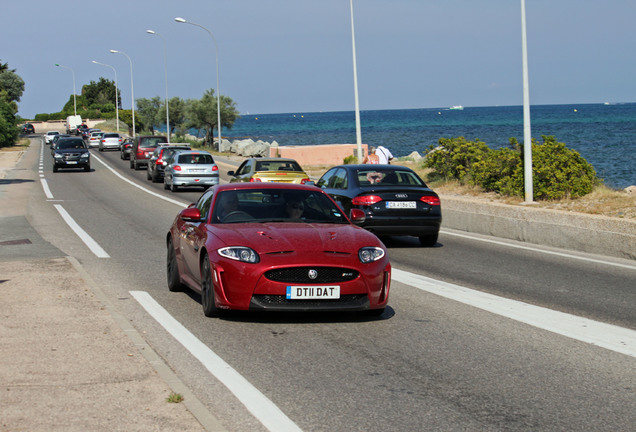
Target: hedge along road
430, 361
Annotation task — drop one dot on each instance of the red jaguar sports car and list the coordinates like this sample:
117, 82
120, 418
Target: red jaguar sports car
276, 247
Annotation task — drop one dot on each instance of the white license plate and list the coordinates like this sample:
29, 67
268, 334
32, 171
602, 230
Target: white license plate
71, 162
313, 292
401, 204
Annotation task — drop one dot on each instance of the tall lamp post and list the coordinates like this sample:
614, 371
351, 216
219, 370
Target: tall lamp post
527, 135
355, 88
72, 72
132, 93
165, 66
218, 91
116, 91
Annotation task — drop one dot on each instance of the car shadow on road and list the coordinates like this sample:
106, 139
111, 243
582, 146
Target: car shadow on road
405, 242
298, 317
5, 181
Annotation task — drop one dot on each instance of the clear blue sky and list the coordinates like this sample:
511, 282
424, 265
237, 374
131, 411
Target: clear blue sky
284, 56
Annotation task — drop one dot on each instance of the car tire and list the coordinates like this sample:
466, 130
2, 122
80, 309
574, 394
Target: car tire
136, 165
148, 176
173, 187
207, 289
54, 168
429, 240
172, 270
131, 164
101, 149
87, 168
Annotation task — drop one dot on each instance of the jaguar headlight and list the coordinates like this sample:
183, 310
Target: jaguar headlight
57, 156
370, 254
85, 155
240, 253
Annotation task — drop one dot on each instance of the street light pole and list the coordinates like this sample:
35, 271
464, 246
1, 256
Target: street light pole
218, 90
355, 88
165, 65
116, 91
132, 92
527, 135
72, 72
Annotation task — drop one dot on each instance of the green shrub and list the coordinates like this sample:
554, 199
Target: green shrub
558, 172
351, 159
453, 158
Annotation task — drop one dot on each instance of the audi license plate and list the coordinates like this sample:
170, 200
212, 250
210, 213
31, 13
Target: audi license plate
401, 204
313, 292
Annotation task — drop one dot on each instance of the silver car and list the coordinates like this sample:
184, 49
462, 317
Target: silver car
190, 168
94, 138
110, 140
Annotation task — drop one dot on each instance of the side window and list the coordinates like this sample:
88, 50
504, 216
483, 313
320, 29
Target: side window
324, 180
204, 204
244, 169
339, 180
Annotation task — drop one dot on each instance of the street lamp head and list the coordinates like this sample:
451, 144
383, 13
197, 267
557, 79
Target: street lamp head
94, 62
57, 64
150, 31
114, 51
179, 19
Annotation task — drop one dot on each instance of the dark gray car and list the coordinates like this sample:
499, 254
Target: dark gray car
157, 162
71, 153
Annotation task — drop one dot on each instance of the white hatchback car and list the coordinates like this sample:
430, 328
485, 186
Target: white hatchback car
110, 140
49, 136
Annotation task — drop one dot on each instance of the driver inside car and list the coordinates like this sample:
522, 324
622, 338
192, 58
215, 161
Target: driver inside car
229, 204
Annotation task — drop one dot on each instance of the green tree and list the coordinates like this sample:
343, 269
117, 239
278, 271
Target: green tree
202, 114
149, 113
177, 110
101, 92
11, 89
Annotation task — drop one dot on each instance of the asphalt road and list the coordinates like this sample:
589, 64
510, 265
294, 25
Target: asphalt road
429, 363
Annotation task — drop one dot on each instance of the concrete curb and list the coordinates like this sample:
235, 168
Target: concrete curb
577, 231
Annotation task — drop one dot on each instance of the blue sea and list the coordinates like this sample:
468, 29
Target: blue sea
604, 134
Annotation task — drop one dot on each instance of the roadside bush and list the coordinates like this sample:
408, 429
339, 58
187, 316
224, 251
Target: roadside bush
453, 158
351, 159
558, 172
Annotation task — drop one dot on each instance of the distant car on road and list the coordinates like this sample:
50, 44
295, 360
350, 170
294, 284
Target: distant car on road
125, 147
157, 162
277, 170
188, 168
94, 138
236, 249
71, 152
28, 129
395, 200
142, 148
48, 137
110, 141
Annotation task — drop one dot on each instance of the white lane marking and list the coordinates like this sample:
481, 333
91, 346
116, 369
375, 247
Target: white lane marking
47, 191
537, 249
615, 338
257, 403
170, 200
83, 235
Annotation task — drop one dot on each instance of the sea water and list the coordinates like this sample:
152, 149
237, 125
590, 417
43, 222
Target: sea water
604, 134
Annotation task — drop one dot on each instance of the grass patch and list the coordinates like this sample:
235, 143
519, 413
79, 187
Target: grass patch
174, 398
21, 144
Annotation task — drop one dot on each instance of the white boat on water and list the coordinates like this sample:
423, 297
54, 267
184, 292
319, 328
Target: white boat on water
456, 107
